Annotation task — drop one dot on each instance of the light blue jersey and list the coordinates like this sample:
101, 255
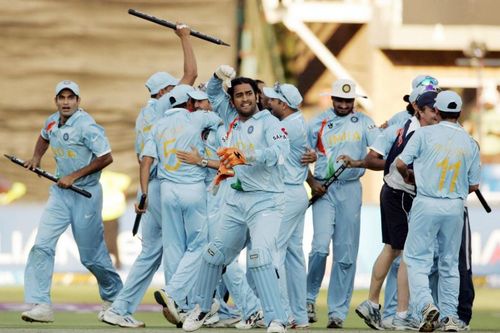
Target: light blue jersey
296, 129
179, 129
333, 136
399, 118
445, 160
213, 141
75, 144
261, 138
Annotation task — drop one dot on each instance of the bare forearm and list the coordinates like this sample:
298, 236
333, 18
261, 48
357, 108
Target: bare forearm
144, 171
190, 66
41, 147
402, 168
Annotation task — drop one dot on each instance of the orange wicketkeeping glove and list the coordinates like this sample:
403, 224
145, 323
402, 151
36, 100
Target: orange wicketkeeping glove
223, 173
230, 157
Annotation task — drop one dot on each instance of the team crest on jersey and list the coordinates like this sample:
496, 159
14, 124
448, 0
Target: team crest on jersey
354, 119
330, 125
346, 88
250, 129
66, 136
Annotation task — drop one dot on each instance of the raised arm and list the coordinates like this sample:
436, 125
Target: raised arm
190, 66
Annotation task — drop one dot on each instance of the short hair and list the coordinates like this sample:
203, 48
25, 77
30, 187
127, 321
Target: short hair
449, 115
242, 80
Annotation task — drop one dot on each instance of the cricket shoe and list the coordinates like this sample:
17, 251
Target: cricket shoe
105, 305
370, 314
196, 318
251, 321
276, 327
113, 318
169, 311
311, 313
334, 322
41, 313
405, 324
430, 315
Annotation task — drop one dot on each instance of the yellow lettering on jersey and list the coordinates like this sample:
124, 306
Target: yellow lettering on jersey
444, 166
167, 153
146, 129
343, 137
58, 151
71, 154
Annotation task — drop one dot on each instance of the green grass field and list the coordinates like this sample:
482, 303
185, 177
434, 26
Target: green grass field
486, 312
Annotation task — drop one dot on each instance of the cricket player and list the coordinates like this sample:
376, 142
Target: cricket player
284, 101
183, 197
81, 151
159, 86
253, 163
234, 279
336, 215
446, 168
396, 198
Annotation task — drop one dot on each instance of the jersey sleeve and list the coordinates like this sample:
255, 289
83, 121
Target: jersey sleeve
413, 148
220, 100
384, 140
278, 146
95, 139
371, 131
150, 146
474, 174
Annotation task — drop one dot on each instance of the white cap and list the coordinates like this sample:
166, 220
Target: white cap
420, 90
179, 94
287, 93
160, 80
198, 95
448, 101
67, 84
344, 88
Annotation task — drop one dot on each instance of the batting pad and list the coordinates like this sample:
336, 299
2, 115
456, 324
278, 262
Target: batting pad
266, 282
209, 275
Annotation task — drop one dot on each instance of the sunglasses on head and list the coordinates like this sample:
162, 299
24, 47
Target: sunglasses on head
277, 89
428, 80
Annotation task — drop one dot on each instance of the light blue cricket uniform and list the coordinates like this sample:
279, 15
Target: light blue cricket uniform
336, 215
257, 208
149, 260
399, 119
446, 162
291, 254
75, 145
234, 277
183, 196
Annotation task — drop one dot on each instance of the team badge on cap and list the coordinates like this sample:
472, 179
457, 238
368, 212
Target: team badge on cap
346, 88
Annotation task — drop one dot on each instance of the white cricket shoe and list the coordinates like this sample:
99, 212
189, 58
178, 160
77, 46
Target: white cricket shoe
113, 318
41, 313
105, 305
276, 327
196, 318
251, 321
170, 311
